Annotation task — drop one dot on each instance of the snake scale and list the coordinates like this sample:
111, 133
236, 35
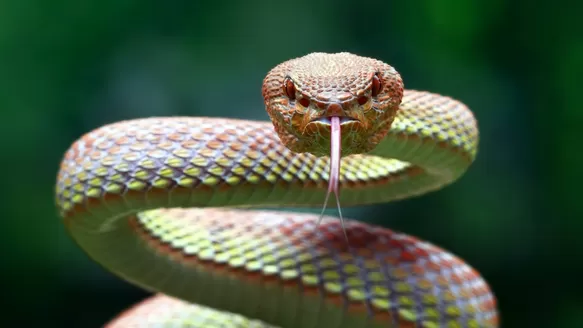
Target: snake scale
165, 203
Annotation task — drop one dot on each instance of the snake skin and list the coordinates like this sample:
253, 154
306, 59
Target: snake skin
121, 191
164, 311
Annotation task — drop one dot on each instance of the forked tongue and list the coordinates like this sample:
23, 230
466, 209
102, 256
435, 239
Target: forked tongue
335, 148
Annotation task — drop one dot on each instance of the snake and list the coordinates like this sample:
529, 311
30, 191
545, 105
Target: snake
195, 210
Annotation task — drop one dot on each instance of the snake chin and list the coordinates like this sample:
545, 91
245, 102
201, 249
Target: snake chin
317, 135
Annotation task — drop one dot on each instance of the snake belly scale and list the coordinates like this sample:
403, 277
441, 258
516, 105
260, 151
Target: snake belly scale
166, 204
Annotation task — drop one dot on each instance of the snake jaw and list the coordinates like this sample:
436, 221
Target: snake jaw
328, 119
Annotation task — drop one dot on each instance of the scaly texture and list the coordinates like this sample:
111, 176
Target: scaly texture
122, 189
324, 85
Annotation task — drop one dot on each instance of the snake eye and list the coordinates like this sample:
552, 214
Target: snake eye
289, 88
305, 102
376, 85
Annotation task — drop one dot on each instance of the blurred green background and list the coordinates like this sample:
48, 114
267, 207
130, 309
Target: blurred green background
67, 67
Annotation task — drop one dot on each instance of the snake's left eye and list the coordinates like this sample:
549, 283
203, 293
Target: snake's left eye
289, 88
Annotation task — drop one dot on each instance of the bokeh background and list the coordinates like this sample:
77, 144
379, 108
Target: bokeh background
69, 66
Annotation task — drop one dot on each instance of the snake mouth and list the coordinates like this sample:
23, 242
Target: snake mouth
328, 119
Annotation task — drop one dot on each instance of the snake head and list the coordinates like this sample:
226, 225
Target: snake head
301, 96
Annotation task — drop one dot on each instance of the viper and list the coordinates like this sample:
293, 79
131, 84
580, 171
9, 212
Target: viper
185, 207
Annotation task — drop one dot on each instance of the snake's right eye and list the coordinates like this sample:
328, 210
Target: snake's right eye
376, 85
289, 88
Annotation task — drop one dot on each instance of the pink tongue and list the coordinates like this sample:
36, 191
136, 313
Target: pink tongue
334, 156
334, 169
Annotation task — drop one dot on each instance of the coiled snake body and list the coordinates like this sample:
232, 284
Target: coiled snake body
159, 202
